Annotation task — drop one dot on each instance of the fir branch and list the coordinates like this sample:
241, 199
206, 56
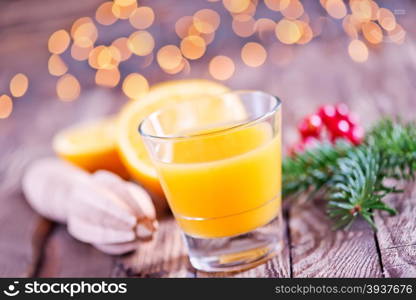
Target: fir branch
357, 187
353, 177
397, 144
311, 170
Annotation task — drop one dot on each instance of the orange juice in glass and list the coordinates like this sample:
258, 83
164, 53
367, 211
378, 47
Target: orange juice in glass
219, 162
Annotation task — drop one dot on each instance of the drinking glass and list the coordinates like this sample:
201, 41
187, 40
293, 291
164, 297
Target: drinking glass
218, 159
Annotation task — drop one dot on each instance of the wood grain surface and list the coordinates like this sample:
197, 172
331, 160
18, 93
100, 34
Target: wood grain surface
319, 251
320, 72
397, 235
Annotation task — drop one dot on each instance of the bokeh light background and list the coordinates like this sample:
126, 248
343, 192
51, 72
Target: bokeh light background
59, 50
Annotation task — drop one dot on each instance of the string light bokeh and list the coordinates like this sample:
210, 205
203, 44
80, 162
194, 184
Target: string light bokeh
267, 32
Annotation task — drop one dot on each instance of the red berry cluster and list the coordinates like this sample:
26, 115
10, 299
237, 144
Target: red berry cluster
331, 122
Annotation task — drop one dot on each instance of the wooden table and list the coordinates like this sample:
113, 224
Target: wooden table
320, 72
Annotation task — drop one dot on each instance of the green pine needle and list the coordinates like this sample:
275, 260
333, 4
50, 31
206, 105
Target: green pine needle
313, 169
352, 178
356, 188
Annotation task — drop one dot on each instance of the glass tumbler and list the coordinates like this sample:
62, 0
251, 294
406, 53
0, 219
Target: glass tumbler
218, 159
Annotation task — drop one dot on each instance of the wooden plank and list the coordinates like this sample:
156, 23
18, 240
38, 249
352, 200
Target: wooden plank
397, 235
319, 251
22, 236
164, 256
22, 231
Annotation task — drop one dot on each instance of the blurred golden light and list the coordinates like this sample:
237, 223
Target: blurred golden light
281, 55
115, 56
182, 26
264, 28
307, 33
242, 17
93, 57
206, 20
358, 51
59, 41
178, 69
18, 85
253, 54
397, 35
186, 67
374, 9
6, 106
244, 28
236, 6
68, 88
193, 47
192, 30
277, 5
125, 2
56, 65
104, 58
250, 10
84, 32
142, 17
350, 27
208, 37
372, 32
221, 67
123, 11
169, 57
122, 45
108, 57
288, 32
336, 8
141, 43
104, 14
135, 85
294, 10
80, 53
361, 9
77, 23
107, 77
386, 19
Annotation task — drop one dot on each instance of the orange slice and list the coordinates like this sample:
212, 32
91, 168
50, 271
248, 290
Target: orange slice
131, 147
91, 146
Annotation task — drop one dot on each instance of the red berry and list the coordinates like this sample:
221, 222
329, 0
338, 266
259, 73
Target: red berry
341, 130
356, 135
327, 113
311, 126
342, 111
343, 127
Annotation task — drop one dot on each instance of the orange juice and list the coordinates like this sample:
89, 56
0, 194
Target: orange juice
223, 184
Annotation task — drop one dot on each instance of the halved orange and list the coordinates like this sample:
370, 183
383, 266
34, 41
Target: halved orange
131, 147
91, 146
